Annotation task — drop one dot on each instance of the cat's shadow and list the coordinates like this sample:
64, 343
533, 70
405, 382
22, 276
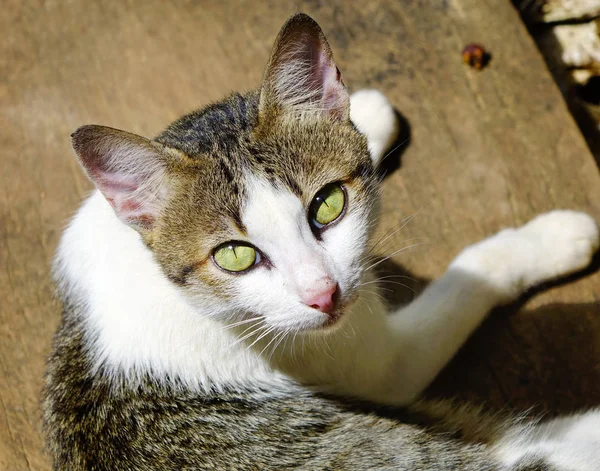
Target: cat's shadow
392, 160
546, 359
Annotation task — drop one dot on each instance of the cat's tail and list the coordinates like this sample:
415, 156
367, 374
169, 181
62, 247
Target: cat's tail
375, 117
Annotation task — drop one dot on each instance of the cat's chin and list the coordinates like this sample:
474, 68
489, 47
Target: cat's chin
336, 318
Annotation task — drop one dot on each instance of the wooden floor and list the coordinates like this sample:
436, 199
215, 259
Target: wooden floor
487, 150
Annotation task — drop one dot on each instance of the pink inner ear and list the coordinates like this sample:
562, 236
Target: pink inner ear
125, 194
335, 96
325, 78
126, 168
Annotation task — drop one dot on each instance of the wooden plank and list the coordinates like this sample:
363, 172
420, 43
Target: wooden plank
488, 149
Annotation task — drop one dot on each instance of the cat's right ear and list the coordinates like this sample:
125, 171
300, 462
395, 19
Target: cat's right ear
301, 77
128, 169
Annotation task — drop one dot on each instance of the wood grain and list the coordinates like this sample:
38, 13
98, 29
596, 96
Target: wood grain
488, 149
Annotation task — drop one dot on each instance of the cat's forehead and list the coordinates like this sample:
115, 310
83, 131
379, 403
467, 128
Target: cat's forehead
228, 143
219, 129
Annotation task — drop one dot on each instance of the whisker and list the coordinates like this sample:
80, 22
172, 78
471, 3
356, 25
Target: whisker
284, 346
394, 149
370, 310
246, 330
403, 224
382, 239
393, 254
282, 337
252, 332
386, 289
349, 325
236, 324
294, 352
399, 284
372, 256
373, 292
271, 341
326, 344
384, 280
399, 276
263, 335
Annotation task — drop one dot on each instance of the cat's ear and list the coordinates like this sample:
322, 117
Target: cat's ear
301, 76
128, 169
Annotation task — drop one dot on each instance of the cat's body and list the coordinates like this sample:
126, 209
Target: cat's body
167, 359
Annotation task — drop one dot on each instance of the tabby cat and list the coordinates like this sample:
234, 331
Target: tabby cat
220, 312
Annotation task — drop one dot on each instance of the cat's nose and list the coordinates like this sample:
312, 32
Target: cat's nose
322, 299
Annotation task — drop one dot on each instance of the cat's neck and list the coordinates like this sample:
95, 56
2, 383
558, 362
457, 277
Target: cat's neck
137, 322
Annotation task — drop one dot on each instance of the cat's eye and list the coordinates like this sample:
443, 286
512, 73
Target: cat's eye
235, 256
327, 205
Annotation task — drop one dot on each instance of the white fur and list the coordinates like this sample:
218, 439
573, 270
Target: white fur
276, 223
551, 245
137, 321
568, 443
375, 117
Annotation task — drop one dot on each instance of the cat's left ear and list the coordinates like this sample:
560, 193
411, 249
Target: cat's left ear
128, 169
301, 76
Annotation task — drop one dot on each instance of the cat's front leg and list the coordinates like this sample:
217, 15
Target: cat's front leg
495, 271
552, 245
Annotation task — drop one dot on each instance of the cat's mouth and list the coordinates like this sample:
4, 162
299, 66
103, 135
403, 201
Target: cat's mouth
336, 317
333, 318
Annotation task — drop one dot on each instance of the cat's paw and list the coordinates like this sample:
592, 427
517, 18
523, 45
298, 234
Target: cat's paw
375, 117
550, 246
567, 241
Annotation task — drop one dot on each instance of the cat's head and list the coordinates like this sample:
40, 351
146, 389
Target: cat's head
260, 205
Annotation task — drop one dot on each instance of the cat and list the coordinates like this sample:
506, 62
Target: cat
221, 312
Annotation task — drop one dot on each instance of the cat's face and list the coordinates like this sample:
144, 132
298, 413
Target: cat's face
283, 238
260, 206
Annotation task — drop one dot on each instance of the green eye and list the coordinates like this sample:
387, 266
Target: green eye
235, 256
328, 205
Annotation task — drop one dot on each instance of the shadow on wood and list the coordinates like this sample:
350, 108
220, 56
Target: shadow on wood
545, 359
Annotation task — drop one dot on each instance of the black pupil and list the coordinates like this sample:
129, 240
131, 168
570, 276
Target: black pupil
319, 199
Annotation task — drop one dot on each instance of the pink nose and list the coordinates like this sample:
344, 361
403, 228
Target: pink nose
322, 299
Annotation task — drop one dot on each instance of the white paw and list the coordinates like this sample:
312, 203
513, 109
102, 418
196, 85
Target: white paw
567, 242
550, 246
374, 116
